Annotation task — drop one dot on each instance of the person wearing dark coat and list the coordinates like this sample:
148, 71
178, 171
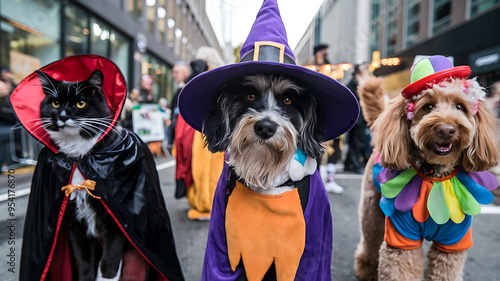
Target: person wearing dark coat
355, 159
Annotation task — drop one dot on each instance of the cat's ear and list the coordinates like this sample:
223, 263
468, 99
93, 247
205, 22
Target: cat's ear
95, 78
45, 79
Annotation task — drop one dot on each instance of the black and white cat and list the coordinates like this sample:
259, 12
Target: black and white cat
75, 115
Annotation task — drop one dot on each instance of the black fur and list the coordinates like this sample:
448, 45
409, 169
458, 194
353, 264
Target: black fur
86, 249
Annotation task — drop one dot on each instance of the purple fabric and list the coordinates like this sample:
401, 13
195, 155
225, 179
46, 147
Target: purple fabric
268, 26
386, 175
440, 63
407, 198
317, 256
484, 178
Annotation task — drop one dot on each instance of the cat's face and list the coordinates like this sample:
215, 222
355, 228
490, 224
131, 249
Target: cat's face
74, 114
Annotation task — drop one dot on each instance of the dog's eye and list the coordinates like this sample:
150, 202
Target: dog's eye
428, 107
287, 101
250, 97
460, 107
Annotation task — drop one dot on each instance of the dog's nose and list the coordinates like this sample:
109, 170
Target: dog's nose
445, 131
265, 128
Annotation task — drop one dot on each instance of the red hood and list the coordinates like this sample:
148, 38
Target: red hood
28, 95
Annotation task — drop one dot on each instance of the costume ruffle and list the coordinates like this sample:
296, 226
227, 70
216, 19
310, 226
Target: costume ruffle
451, 197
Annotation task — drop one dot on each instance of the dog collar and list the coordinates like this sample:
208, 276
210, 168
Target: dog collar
449, 197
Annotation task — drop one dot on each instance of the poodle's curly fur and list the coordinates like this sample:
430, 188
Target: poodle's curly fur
403, 140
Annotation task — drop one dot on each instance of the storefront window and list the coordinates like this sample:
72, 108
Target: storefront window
77, 31
100, 34
161, 73
29, 35
120, 51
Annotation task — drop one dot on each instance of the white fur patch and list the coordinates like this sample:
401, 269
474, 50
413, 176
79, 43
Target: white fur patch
70, 142
83, 210
116, 278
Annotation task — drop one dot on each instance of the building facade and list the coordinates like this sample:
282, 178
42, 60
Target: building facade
344, 26
464, 30
140, 36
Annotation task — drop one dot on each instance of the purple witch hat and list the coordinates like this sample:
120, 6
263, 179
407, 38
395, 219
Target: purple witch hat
266, 52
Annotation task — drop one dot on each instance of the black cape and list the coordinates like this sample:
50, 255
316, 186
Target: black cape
120, 164
127, 182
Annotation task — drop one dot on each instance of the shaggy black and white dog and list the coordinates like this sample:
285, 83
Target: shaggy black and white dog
262, 121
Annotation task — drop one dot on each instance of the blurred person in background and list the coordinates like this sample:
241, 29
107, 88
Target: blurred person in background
7, 117
206, 166
146, 91
333, 148
130, 102
356, 158
180, 72
183, 143
167, 113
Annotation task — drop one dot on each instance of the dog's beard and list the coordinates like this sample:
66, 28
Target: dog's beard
262, 163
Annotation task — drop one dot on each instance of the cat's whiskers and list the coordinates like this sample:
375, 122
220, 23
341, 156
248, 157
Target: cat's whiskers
48, 79
52, 92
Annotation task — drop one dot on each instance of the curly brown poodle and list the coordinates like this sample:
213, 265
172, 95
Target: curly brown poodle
446, 129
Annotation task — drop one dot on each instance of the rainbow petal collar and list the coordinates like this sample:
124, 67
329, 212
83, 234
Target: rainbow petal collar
451, 197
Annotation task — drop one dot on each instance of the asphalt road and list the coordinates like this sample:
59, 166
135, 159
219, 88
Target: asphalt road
190, 236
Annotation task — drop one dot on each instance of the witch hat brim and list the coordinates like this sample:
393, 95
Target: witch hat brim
28, 94
336, 103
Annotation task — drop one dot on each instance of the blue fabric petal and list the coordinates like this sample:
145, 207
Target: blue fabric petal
480, 193
376, 170
485, 179
387, 205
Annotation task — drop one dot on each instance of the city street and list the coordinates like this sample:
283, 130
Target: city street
190, 236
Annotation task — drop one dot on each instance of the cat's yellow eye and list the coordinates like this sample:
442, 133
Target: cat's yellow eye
81, 104
56, 104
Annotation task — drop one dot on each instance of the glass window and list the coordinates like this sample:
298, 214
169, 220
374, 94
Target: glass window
161, 74
135, 8
162, 20
120, 52
441, 15
100, 34
374, 26
479, 6
413, 22
151, 14
392, 25
29, 42
171, 22
77, 31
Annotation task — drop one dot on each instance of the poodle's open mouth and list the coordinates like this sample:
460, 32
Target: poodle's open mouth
442, 149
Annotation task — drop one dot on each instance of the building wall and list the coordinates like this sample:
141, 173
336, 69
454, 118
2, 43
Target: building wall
463, 29
344, 27
140, 39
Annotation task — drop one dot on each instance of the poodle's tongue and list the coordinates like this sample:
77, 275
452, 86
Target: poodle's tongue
443, 149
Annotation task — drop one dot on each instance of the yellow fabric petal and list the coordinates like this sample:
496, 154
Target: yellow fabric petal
456, 213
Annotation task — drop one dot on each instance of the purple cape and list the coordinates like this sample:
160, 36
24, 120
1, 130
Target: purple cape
316, 259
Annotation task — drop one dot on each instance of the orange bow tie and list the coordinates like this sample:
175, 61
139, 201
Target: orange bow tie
87, 184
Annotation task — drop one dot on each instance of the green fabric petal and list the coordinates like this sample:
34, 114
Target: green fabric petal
436, 204
469, 204
393, 187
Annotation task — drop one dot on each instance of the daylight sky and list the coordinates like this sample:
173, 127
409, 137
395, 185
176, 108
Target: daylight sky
296, 15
